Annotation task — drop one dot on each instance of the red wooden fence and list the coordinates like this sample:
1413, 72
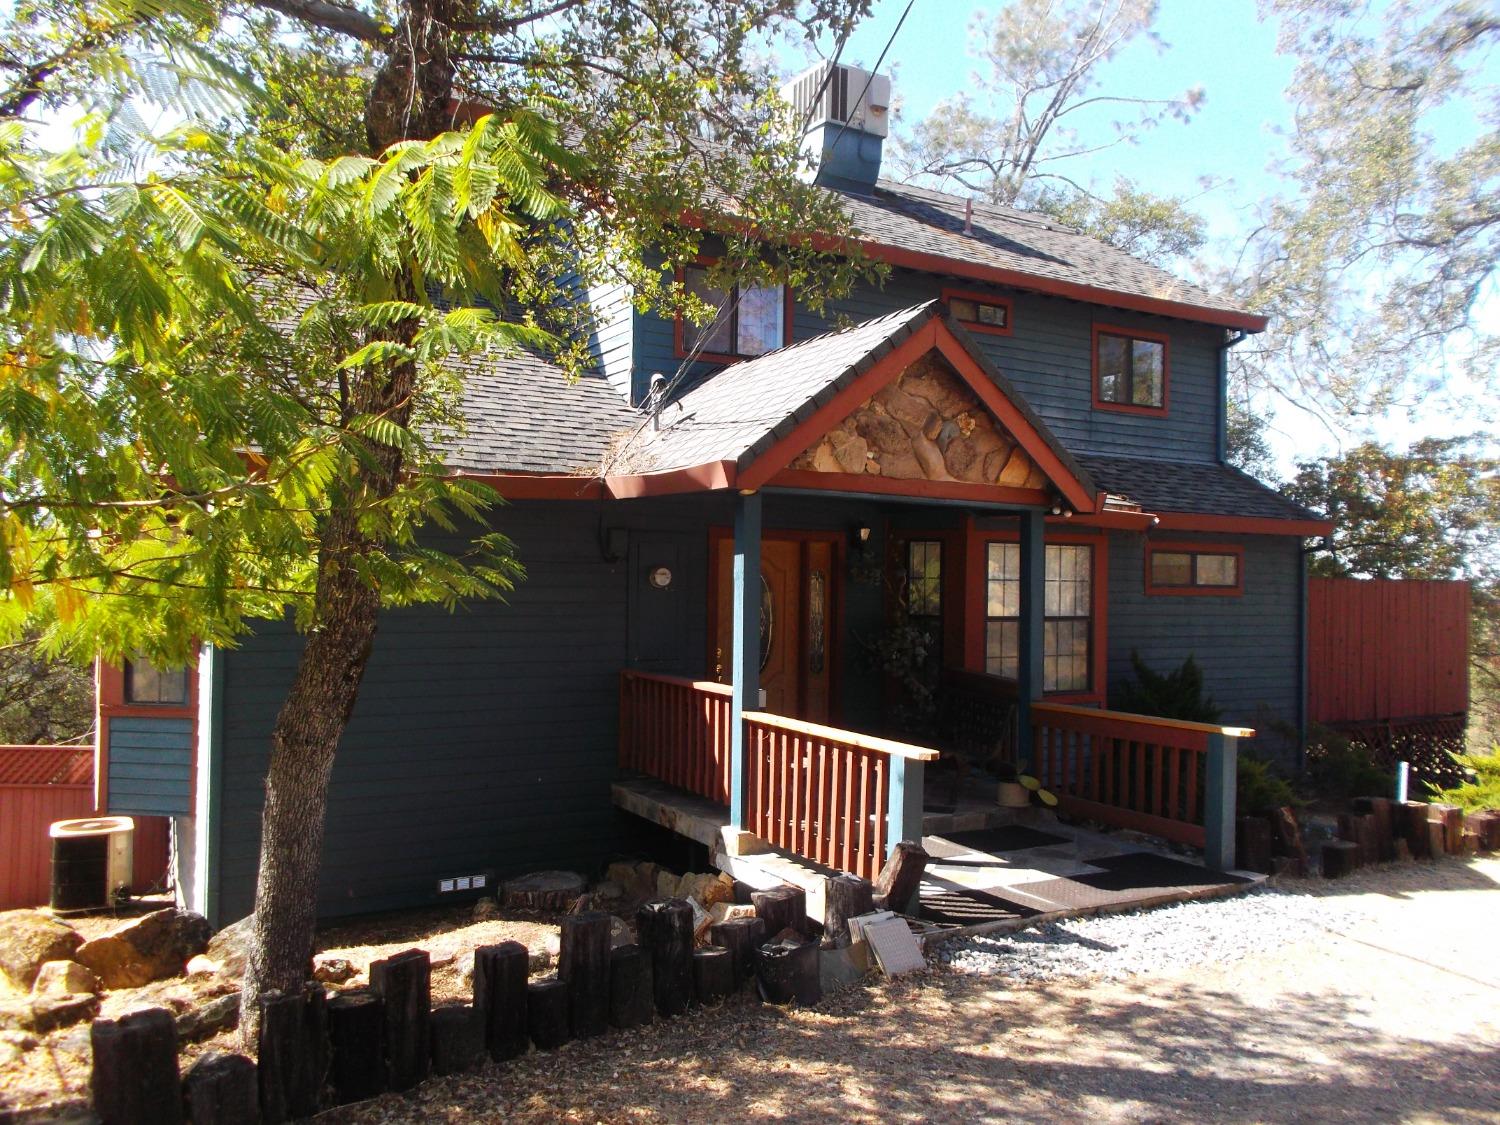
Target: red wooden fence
42, 784
1134, 771
1382, 649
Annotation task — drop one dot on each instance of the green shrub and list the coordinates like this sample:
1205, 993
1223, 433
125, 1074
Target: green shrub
1167, 695
1338, 770
1481, 793
1261, 789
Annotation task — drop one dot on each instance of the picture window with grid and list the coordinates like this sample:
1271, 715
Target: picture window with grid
1067, 585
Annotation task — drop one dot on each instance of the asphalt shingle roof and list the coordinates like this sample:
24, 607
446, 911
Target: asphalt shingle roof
932, 222
1183, 486
740, 412
524, 415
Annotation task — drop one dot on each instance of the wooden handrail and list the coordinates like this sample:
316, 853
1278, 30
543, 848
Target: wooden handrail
707, 687
1147, 720
843, 737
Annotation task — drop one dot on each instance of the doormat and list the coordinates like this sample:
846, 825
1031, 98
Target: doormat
963, 906
1148, 871
1007, 838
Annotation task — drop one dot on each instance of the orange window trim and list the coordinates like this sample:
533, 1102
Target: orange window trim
976, 603
1166, 369
1185, 548
983, 299
680, 349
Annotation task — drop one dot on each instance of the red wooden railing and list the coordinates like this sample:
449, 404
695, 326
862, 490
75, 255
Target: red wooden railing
1134, 771
823, 793
819, 792
676, 730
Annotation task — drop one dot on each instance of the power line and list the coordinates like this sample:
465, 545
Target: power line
895, 32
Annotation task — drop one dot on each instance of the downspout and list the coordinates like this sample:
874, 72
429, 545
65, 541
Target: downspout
1221, 435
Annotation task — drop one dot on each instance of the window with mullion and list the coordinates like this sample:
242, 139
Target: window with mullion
751, 319
1132, 371
1067, 612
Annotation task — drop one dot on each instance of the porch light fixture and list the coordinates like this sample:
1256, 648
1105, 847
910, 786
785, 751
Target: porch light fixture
860, 535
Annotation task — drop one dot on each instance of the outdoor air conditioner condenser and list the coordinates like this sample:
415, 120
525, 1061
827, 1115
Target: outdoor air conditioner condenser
91, 862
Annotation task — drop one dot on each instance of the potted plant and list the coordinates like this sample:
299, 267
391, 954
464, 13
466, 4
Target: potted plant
1016, 787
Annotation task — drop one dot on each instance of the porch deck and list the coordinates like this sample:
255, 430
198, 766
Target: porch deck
991, 868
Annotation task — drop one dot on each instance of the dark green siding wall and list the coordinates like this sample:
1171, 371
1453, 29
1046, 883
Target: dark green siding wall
485, 740
1247, 646
1048, 356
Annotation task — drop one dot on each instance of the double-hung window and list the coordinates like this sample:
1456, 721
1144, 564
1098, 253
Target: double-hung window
751, 319
1067, 614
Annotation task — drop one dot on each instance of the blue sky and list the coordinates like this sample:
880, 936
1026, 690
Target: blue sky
1234, 140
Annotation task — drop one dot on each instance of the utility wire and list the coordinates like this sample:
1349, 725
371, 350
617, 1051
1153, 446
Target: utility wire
897, 31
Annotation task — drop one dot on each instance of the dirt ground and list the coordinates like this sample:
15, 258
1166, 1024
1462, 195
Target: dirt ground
1390, 1013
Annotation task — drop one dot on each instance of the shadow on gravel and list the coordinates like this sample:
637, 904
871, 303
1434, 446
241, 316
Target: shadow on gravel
946, 1048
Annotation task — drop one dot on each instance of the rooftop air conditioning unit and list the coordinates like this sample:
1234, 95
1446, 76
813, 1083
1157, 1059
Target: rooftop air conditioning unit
849, 96
91, 862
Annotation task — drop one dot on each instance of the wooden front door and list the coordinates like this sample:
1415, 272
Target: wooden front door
797, 642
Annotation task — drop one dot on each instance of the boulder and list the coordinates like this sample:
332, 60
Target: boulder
65, 976
202, 966
218, 1014
230, 947
725, 911
28, 940
146, 949
42, 1014
485, 909
333, 970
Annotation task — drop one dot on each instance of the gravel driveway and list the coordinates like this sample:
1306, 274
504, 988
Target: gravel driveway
1371, 999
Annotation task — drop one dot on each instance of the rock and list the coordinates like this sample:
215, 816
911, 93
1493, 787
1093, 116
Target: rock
666, 885
607, 890
219, 1014
146, 949
10, 1054
724, 911
28, 940
65, 976
334, 970
202, 966
702, 920
619, 933
485, 909
42, 1014
230, 947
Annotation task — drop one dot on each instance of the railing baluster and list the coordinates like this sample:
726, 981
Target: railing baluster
882, 795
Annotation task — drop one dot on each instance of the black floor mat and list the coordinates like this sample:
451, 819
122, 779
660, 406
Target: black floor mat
1009, 838
960, 906
1145, 871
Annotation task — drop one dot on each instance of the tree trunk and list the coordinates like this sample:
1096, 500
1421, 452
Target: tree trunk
409, 99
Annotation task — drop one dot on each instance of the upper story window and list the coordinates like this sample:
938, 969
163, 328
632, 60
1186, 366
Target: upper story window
979, 312
1179, 568
752, 319
1130, 370
147, 684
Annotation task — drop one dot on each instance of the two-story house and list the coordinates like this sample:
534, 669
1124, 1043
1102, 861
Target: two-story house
1016, 444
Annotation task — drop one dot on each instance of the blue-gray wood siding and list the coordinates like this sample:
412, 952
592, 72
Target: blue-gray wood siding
1247, 646
485, 740
610, 337
1048, 357
150, 766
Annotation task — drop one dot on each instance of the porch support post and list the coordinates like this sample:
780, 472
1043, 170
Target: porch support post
745, 653
1033, 593
1219, 802
903, 816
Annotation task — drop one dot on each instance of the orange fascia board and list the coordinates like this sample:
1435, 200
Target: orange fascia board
710, 477
541, 486
1242, 525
